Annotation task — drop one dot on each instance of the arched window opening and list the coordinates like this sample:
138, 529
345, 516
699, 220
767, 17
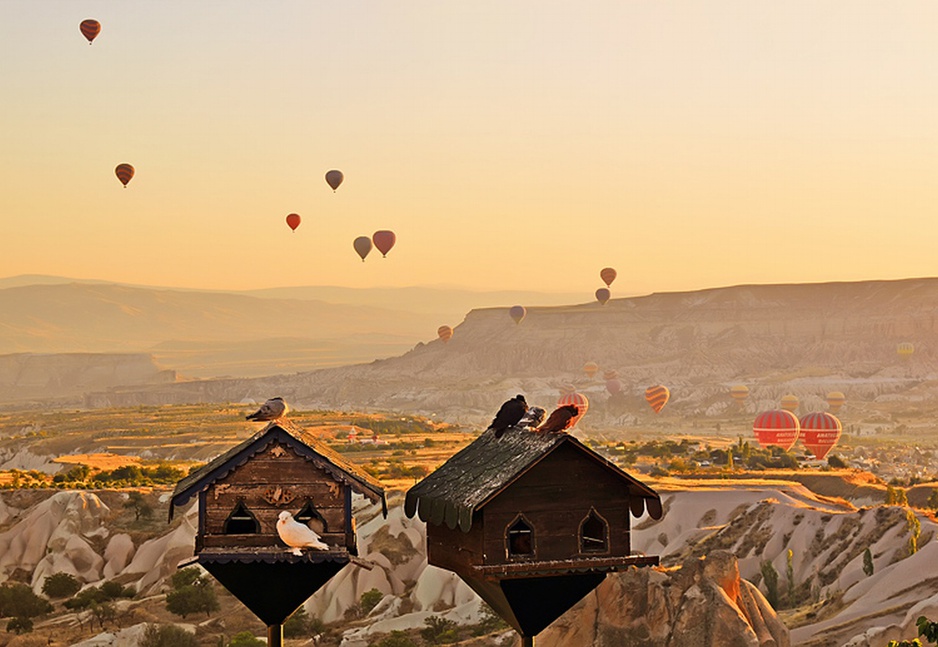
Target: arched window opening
594, 534
311, 517
520, 538
241, 521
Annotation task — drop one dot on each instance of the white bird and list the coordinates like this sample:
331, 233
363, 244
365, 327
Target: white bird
296, 535
270, 410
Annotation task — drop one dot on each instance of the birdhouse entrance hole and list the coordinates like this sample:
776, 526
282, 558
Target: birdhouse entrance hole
520, 539
594, 533
241, 521
309, 516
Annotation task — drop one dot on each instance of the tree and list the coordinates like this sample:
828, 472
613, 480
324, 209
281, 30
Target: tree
790, 574
191, 593
770, 575
369, 600
868, 562
932, 502
439, 630
836, 461
61, 585
167, 636
395, 639
246, 639
138, 503
297, 625
19, 625
926, 629
915, 530
17, 600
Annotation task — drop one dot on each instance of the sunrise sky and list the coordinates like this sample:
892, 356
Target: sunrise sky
510, 144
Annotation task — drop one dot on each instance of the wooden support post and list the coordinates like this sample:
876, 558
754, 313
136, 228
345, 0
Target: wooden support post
274, 635
527, 641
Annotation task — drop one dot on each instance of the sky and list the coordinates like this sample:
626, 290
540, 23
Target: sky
509, 145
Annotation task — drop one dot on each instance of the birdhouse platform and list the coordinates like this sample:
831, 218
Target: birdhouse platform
241, 494
531, 521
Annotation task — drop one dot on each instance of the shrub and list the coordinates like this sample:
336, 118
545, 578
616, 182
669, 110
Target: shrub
246, 639
297, 625
19, 625
61, 585
770, 575
167, 636
370, 600
439, 630
395, 639
191, 594
17, 600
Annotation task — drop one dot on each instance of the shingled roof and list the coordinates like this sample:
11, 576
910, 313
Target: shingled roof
476, 474
287, 433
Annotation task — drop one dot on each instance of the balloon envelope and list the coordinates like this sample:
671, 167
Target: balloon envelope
293, 221
611, 374
445, 333
777, 427
591, 368
613, 386
836, 400
820, 431
578, 399
362, 245
740, 393
657, 396
905, 349
334, 178
790, 402
384, 240
602, 295
90, 29
517, 313
608, 275
124, 173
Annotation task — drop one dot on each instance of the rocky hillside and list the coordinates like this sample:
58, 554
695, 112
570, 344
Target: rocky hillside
735, 526
804, 339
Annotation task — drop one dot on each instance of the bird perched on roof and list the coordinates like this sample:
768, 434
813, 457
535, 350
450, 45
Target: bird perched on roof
296, 535
532, 418
270, 410
508, 415
560, 419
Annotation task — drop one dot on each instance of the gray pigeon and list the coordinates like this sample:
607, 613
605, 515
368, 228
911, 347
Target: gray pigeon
532, 418
270, 410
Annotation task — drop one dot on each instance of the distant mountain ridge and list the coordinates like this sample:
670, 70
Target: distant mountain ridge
807, 339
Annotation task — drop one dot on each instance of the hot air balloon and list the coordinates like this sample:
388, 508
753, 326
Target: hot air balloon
608, 275
517, 313
740, 393
124, 173
384, 240
905, 350
591, 368
777, 427
835, 400
613, 386
570, 396
611, 374
657, 396
445, 333
334, 179
362, 245
602, 295
820, 431
90, 29
293, 220
790, 402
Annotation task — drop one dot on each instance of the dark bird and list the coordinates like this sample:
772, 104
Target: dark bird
560, 419
270, 410
508, 415
532, 418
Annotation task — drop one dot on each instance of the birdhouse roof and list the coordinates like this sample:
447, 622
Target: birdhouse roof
487, 466
301, 441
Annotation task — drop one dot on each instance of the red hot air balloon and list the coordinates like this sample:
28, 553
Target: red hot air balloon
657, 396
293, 220
602, 295
445, 333
362, 246
820, 432
608, 275
90, 29
570, 396
517, 313
777, 427
124, 173
613, 385
384, 240
334, 179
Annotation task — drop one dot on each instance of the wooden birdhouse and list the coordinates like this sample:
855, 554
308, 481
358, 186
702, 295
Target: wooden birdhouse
241, 495
532, 522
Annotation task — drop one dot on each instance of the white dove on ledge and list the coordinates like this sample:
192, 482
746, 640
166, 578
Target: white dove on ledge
296, 535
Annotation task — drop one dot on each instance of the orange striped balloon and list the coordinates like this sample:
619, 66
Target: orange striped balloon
90, 29
124, 173
836, 400
777, 427
905, 349
739, 393
657, 396
578, 399
790, 402
820, 431
611, 374
590, 368
445, 333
